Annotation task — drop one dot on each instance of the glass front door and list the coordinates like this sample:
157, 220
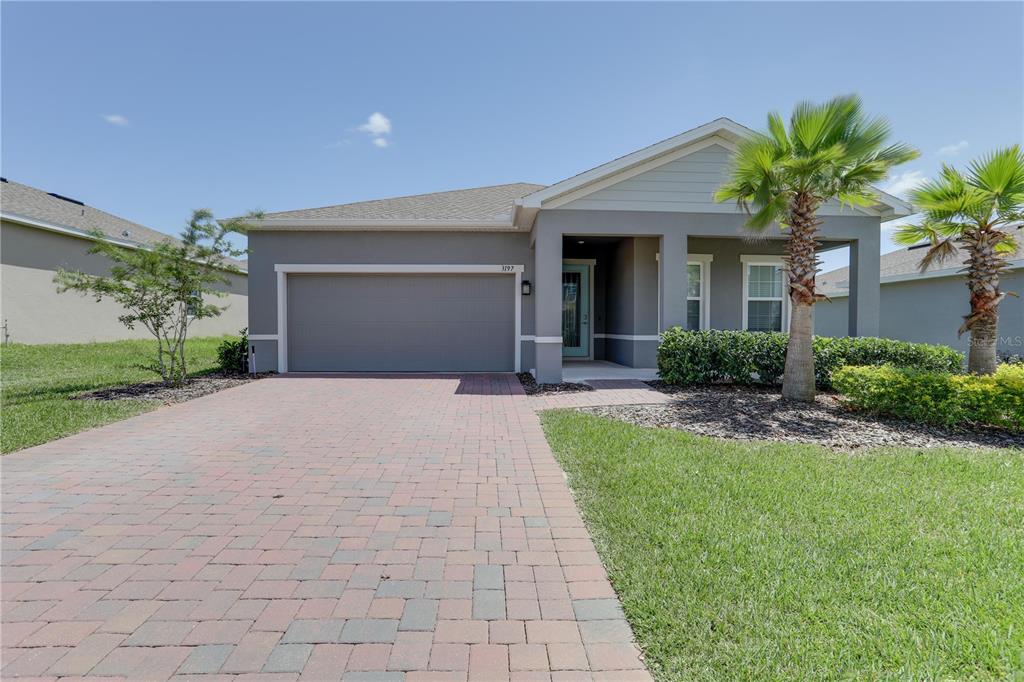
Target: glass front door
576, 311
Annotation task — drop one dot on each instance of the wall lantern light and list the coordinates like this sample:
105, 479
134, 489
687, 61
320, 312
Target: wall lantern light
526, 287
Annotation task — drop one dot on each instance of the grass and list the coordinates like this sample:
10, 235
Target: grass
36, 382
770, 561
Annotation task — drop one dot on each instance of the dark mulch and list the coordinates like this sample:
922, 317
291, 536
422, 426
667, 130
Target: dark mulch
195, 387
531, 387
746, 412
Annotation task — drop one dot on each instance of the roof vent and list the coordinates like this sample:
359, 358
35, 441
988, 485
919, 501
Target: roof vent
125, 233
64, 198
3, 179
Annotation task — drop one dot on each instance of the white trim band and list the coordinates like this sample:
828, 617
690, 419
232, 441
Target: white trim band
629, 337
299, 224
263, 337
547, 339
407, 268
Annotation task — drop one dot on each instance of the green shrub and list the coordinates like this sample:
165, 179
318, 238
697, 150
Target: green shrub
937, 397
233, 354
702, 357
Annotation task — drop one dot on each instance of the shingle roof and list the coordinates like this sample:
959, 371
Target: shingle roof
894, 264
478, 203
29, 202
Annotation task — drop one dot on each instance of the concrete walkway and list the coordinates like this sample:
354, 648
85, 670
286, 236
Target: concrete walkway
606, 392
315, 528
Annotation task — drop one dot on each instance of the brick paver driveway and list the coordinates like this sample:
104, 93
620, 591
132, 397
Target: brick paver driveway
364, 528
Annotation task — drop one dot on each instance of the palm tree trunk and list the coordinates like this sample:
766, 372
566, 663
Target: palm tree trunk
798, 379
982, 359
983, 267
802, 265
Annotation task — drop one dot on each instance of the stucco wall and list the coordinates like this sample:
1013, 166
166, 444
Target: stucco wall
268, 248
35, 313
626, 278
931, 311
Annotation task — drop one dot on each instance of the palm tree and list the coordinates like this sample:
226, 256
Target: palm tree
977, 210
829, 151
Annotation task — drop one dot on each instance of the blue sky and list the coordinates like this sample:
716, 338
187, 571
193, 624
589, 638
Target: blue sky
148, 110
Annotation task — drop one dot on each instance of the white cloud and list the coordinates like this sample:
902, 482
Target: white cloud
953, 149
901, 183
377, 124
115, 119
378, 127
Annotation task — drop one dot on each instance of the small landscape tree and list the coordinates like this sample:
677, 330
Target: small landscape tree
167, 286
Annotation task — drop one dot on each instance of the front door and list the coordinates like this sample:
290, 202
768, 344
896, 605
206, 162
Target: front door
575, 311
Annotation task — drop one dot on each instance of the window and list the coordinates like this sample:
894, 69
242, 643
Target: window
694, 286
698, 283
764, 301
194, 303
698, 268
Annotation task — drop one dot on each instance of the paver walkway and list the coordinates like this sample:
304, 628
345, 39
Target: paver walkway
606, 392
314, 528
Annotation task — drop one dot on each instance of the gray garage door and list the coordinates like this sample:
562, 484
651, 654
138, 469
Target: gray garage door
400, 323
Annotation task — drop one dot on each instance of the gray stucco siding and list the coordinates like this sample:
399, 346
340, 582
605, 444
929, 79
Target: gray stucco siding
673, 234
270, 248
931, 310
627, 277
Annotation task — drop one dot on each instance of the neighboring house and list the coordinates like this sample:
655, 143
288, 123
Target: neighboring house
41, 232
925, 307
526, 277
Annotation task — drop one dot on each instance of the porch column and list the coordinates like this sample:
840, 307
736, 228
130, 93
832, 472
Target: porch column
672, 280
865, 293
548, 304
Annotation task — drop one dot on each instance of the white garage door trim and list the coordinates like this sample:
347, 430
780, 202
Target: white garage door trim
283, 269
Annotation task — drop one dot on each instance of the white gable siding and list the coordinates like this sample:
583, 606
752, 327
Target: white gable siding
686, 184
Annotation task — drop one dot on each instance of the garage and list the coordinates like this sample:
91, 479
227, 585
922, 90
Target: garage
400, 322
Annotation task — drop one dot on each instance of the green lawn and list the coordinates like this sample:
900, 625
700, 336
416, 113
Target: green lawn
778, 562
35, 382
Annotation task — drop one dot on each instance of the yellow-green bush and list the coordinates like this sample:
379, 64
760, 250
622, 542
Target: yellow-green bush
936, 397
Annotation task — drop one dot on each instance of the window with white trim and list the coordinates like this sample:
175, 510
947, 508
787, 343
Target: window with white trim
694, 296
764, 301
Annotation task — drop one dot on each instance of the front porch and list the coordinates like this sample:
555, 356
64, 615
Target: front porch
582, 371
618, 292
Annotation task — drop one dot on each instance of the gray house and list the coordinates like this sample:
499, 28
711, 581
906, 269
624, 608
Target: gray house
531, 278
925, 307
41, 232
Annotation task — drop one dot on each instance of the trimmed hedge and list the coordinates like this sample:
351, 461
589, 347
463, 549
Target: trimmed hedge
739, 357
937, 397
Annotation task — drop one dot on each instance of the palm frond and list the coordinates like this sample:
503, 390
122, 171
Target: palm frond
777, 130
939, 252
909, 235
772, 212
1001, 175
829, 150
861, 198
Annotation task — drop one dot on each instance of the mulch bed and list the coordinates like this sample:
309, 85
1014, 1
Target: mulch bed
194, 388
531, 387
750, 413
